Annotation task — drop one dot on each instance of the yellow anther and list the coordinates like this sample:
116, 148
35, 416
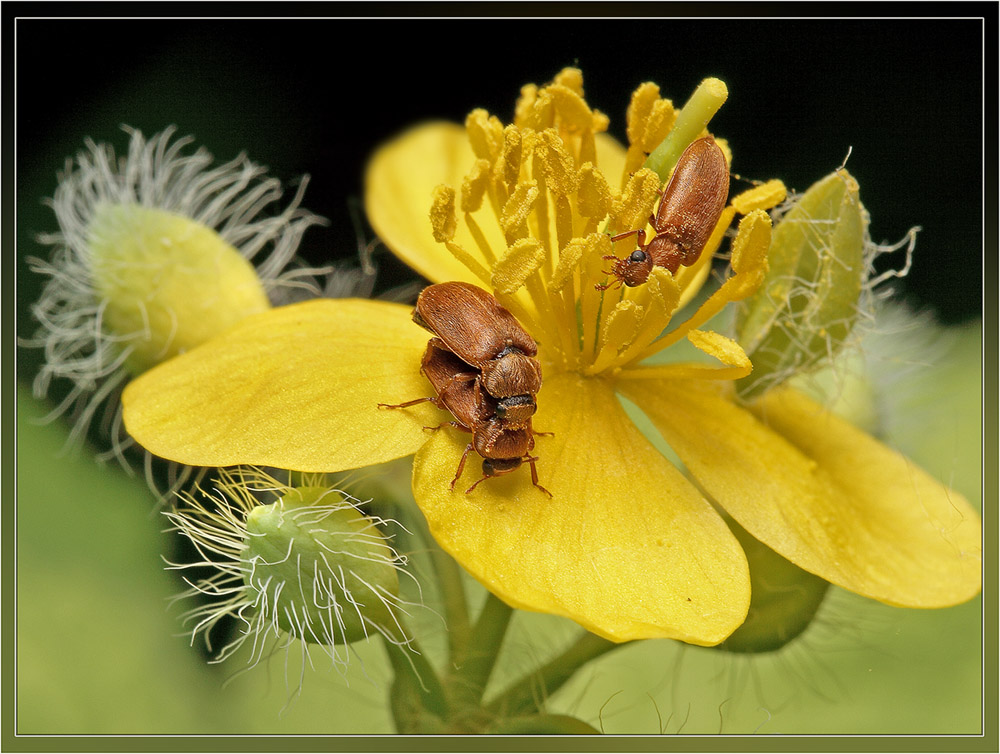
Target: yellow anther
572, 110
635, 204
728, 351
485, 134
619, 330
749, 256
664, 292
569, 259
600, 122
765, 196
522, 259
622, 325
639, 108
474, 186
658, 124
571, 78
524, 109
593, 192
516, 210
560, 173
598, 246
540, 114
650, 120
508, 167
736, 364
443, 220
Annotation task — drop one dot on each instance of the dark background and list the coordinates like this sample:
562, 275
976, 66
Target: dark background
317, 96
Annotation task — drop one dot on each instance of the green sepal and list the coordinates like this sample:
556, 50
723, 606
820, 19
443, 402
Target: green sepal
808, 303
784, 599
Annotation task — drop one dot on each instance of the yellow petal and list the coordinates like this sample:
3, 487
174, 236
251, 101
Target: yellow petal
399, 185
822, 493
295, 387
626, 546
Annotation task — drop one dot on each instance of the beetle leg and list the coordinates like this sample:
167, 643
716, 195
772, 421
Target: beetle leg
640, 237
461, 466
475, 484
534, 474
616, 283
460, 377
456, 425
409, 403
456, 380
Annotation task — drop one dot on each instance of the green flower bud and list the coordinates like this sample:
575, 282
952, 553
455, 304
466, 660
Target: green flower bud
303, 562
168, 283
157, 250
323, 568
809, 302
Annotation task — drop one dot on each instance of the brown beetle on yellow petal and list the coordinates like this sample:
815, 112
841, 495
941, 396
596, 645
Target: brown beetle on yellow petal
503, 447
472, 324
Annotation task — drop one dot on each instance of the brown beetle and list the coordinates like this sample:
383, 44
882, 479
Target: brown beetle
471, 323
503, 447
690, 207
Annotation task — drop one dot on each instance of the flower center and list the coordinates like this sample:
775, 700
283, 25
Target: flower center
542, 215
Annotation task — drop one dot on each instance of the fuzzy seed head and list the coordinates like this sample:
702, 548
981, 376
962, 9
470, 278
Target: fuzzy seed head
320, 565
303, 562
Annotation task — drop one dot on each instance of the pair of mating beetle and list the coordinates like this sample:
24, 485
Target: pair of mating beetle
482, 363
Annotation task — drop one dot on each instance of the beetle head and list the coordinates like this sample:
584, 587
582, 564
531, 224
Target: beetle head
512, 373
500, 466
634, 269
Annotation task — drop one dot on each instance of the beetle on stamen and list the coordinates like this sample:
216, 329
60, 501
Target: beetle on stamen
690, 207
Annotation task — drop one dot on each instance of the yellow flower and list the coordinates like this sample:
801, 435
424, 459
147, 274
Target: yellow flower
629, 546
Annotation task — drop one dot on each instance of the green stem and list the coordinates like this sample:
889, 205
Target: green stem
691, 121
528, 694
470, 678
456, 609
449, 577
416, 684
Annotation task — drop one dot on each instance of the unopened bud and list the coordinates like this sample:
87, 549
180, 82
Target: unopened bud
168, 282
321, 566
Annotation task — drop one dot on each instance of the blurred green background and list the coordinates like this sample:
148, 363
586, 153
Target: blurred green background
93, 622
